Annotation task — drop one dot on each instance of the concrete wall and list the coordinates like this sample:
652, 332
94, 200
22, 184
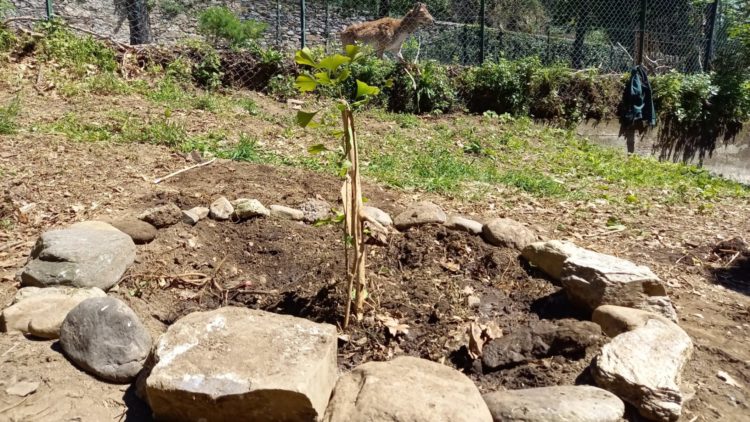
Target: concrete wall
728, 159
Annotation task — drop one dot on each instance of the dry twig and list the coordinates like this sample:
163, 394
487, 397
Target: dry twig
171, 175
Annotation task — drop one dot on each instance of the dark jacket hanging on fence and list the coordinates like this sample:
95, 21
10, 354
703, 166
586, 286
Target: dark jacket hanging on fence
638, 99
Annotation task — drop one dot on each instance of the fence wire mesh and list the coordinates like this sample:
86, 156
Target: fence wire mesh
607, 34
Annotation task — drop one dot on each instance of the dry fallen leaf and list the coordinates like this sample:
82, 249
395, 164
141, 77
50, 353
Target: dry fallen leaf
393, 326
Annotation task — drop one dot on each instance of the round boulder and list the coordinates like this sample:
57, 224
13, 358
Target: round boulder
104, 337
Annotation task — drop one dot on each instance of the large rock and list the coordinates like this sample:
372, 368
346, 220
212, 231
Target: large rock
565, 337
406, 389
104, 337
162, 216
418, 214
593, 279
79, 257
552, 404
644, 367
40, 312
221, 209
241, 364
250, 208
508, 233
140, 231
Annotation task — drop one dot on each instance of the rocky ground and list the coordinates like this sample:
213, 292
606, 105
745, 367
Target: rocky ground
431, 285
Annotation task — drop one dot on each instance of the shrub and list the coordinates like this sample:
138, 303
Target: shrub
77, 53
502, 86
223, 28
8, 116
435, 91
208, 71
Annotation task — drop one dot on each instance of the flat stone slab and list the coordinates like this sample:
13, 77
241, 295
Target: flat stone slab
406, 389
508, 233
288, 213
644, 368
41, 312
616, 320
80, 257
105, 338
464, 224
378, 215
241, 364
553, 404
419, 214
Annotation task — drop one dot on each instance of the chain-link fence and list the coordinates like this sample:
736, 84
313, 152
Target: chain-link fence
606, 34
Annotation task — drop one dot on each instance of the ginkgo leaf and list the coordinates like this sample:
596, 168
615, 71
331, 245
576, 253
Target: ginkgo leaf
304, 118
364, 90
331, 63
305, 83
344, 75
322, 78
352, 51
304, 57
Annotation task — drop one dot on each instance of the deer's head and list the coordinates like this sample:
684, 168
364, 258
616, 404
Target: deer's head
420, 15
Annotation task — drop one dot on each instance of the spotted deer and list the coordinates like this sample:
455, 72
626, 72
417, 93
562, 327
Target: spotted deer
388, 34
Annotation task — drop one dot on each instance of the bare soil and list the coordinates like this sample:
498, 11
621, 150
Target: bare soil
421, 278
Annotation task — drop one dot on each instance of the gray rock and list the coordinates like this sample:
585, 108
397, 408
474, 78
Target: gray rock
40, 312
221, 209
162, 216
644, 367
280, 211
593, 279
250, 208
80, 258
241, 364
507, 233
553, 404
545, 338
194, 215
615, 320
140, 231
315, 210
104, 337
550, 256
99, 225
418, 214
463, 224
406, 389
378, 215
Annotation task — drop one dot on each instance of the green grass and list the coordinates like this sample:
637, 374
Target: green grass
8, 114
73, 127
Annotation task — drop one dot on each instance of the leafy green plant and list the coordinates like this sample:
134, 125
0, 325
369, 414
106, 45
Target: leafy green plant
223, 28
78, 53
8, 116
208, 71
501, 86
332, 72
434, 90
249, 105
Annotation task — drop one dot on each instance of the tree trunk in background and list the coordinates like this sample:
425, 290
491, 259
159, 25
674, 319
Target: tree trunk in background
582, 27
384, 9
140, 29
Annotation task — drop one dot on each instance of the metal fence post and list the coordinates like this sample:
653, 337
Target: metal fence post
481, 32
278, 23
302, 22
49, 9
642, 32
711, 36
327, 28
